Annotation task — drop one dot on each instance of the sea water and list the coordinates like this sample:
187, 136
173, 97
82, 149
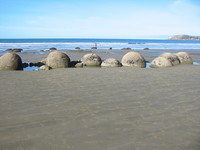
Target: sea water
65, 44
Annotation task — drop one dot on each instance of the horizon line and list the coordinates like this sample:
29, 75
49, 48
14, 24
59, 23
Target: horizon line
82, 38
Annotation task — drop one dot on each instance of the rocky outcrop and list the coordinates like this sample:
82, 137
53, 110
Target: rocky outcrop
14, 50
184, 58
172, 58
91, 59
93, 47
111, 62
57, 59
126, 49
77, 48
133, 59
11, 61
146, 48
184, 37
160, 62
52, 49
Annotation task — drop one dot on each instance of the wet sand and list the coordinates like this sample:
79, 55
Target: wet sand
100, 108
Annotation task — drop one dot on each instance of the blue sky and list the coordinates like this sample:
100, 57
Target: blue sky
98, 18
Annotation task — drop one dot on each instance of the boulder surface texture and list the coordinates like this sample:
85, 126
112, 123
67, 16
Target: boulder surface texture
57, 59
91, 60
11, 61
160, 62
172, 58
111, 62
133, 59
184, 58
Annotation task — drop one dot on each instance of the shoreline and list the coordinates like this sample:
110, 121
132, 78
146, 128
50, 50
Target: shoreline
35, 56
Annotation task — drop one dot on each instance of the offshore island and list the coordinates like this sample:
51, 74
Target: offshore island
184, 37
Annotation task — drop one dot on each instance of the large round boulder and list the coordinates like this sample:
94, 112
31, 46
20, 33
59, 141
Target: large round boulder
172, 58
184, 58
160, 62
133, 59
57, 59
91, 60
111, 62
11, 61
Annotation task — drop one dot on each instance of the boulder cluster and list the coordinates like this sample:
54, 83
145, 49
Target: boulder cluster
169, 59
58, 59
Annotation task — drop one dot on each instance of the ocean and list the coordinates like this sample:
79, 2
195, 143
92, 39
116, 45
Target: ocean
70, 44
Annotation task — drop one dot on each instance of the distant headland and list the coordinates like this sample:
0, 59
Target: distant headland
184, 37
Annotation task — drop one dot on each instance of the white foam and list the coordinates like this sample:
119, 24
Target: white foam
103, 45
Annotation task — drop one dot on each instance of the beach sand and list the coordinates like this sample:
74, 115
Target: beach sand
100, 108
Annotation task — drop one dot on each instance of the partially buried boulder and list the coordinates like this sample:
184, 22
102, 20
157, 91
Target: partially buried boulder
160, 62
91, 60
11, 61
44, 67
111, 62
133, 59
57, 59
79, 65
184, 58
172, 58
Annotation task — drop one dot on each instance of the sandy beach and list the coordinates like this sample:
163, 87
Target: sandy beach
101, 108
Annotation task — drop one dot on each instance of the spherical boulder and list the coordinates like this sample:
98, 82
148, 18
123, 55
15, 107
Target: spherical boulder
111, 62
160, 62
133, 59
11, 61
184, 58
57, 59
91, 60
172, 58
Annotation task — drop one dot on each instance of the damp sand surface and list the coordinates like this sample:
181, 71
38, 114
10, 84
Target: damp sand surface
101, 109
